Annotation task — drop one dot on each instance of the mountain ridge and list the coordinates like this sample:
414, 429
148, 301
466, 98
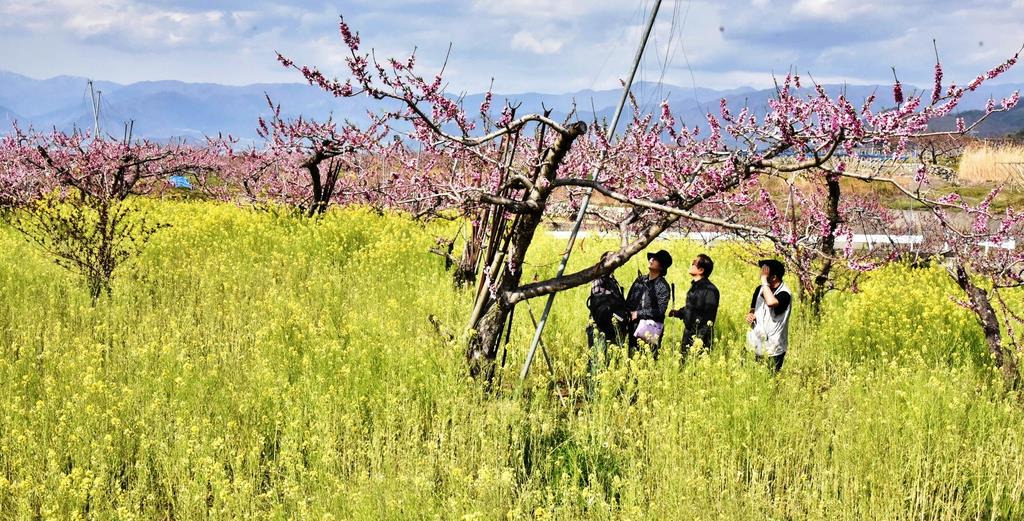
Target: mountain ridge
164, 109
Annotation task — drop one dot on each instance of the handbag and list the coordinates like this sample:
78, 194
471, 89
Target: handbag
649, 331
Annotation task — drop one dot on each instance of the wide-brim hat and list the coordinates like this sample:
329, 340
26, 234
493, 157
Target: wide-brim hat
663, 257
774, 267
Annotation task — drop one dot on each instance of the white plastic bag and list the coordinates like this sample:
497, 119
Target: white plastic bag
649, 331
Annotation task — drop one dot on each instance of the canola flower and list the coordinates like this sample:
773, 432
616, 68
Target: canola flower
254, 365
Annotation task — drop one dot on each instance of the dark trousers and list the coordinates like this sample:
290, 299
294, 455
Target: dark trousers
773, 362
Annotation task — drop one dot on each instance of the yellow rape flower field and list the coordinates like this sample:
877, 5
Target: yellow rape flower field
253, 365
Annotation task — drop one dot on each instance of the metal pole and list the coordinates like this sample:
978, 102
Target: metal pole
543, 350
586, 198
95, 111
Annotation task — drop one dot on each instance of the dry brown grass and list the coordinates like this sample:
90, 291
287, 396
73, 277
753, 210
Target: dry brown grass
986, 163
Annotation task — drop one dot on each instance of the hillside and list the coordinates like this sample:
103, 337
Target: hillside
998, 124
170, 109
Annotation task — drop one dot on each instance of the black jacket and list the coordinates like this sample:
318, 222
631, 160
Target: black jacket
649, 298
700, 313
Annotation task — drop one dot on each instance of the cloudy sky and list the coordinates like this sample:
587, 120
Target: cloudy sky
525, 45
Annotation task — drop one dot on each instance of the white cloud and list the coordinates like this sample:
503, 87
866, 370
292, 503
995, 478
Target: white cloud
544, 9
584, 43
834, 10
133, 25
149, 28
526, 41
328, 53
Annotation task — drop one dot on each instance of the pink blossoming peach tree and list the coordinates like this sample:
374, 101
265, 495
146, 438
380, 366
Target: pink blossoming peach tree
68, 193
522, 168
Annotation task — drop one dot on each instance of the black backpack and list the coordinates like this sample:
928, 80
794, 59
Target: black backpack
608, 307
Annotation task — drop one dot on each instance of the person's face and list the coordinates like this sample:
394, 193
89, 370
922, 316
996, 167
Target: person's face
653, 264
765, 272
694, 270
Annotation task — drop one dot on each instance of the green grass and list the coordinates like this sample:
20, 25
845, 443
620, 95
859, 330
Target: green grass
258, 366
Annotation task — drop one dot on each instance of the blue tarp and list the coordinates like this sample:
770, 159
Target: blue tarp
178, 181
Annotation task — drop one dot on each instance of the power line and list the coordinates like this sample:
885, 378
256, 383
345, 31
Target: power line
635, 19
693, 79
663, 65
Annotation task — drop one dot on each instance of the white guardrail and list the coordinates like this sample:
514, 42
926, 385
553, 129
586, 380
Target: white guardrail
868, 240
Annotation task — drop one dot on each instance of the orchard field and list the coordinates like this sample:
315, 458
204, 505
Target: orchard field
253, 365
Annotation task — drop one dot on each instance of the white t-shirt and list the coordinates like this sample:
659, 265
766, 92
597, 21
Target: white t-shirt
770, 334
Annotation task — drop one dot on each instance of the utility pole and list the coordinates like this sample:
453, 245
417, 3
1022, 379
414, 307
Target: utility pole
586, 199
94, 96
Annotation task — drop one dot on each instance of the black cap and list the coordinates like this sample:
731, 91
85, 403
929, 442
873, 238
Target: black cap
774, 267
663, 258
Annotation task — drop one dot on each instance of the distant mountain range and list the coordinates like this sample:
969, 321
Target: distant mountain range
1001, 124
174, 109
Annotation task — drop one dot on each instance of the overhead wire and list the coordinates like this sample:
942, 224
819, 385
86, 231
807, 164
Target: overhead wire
636, 19
110, 114
639, 14
693, 79
647, 92
658, 90
86, 106
676, 33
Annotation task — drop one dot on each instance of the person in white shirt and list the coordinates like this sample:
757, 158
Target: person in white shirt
769, 313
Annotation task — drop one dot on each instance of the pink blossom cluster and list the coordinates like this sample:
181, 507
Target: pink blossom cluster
658, 163
33, 164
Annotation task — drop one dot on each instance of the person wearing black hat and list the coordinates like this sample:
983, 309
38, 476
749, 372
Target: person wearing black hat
770, 308
701, 307
648, 300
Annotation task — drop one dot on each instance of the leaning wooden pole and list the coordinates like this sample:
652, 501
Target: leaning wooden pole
586, 199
